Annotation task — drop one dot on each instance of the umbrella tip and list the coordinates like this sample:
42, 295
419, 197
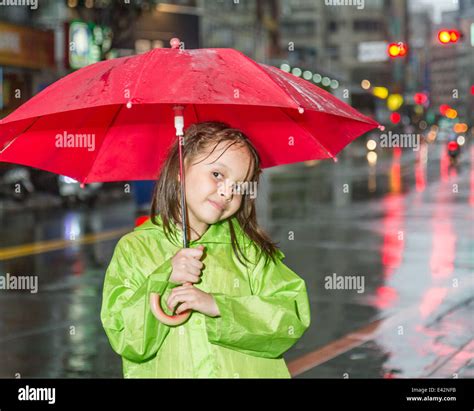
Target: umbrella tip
300, 110
179, 120
335, 159
380, 127
175, 42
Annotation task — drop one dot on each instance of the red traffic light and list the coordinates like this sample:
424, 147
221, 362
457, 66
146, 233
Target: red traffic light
443, 108
395, 118
453, 146
420, 98
397, 49
448, 36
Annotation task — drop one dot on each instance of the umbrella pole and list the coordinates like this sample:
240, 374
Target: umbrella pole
179, 133
155, 298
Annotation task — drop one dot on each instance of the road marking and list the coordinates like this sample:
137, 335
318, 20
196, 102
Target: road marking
53, 245
453, 363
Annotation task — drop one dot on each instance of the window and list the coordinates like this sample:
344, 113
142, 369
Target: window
307, 28
332, 26
333, 52
367, 25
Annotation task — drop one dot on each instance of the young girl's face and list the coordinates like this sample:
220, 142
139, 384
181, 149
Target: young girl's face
210, 196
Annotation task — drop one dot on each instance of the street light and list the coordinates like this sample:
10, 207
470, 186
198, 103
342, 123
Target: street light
394, 102
296, 72
451, 113
317, 78
380, 92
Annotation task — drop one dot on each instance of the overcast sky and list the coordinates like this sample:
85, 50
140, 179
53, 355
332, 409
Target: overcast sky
437, 5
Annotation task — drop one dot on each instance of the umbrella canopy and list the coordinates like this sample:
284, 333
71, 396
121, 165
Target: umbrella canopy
113, 120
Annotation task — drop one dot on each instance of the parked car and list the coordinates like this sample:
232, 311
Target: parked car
72, 193
15, 183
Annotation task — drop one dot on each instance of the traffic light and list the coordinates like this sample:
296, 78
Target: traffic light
395, 118
443, 108
420, 98
449, 36
448, 111
397, 49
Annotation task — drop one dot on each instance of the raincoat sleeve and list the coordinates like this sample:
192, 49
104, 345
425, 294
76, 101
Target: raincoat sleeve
133, 331
268, 322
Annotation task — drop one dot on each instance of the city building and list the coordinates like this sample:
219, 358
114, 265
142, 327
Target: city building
465, 67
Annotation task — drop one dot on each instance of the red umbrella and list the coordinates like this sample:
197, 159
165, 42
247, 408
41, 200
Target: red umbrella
115, 117
114, 120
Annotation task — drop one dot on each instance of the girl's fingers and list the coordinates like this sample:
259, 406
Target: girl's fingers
173, 302
183, 307
185, 286
195, 263
193, 271
178, 297
193, 252
192, 279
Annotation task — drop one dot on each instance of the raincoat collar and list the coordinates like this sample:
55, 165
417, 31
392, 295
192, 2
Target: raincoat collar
216, 233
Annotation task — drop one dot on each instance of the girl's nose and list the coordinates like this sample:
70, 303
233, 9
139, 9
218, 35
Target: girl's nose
227, 194
226, 191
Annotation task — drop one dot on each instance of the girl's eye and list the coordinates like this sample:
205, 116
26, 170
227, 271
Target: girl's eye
215, 172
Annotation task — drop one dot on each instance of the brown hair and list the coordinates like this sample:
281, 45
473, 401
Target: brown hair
166, 195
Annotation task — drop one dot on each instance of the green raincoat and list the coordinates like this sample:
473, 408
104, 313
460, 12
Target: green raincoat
264, 308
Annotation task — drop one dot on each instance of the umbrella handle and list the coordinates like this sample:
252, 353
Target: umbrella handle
155, 298
155, 306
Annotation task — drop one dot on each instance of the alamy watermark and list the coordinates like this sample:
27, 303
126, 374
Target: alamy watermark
360, 4
240, 188
19, 282
28, 393
392, 140
66, 140
345, 282
32, 4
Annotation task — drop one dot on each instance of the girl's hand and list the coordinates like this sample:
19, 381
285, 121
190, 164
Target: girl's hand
193, 298
187, 265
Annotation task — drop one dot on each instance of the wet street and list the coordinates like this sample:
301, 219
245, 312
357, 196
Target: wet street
402, 227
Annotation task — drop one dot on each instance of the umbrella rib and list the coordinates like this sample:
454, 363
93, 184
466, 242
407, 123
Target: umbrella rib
195, 112
305, 129
262, 70
365, 120
19, 134
114, 118
146, 60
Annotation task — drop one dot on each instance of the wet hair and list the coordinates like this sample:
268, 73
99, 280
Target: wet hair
167, 192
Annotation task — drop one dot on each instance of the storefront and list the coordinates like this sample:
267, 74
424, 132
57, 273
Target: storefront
25, 53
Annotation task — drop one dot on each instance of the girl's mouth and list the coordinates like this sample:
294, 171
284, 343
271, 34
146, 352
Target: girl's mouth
216, 206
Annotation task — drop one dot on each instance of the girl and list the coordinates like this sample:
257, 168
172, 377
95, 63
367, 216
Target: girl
248, 307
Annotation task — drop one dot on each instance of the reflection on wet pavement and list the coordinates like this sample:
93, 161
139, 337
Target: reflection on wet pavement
403, 225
